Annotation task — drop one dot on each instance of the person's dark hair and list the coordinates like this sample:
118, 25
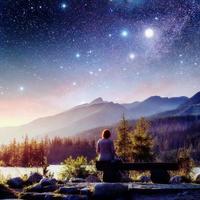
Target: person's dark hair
106, 134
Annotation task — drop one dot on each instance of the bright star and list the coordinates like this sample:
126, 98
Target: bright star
132, 56
78, 55
149, 33
91, 72
74, 83
124, 33
63, 5
21, 88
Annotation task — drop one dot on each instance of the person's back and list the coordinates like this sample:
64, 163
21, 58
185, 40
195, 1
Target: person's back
106, 151
105, 147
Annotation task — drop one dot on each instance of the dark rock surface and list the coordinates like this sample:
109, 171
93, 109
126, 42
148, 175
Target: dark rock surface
16, 182
109, 190
6, 193
69, 190
51, 196
86, 191
77, 180
187, 195
40, 188
92, 179
48, 181
105, 191
144, 179
34, 178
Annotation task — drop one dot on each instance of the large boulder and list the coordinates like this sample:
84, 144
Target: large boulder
40, 189
34, 188
34, 178
93, 179
16, 182
69, 190
110, 190
48, 181
6, 193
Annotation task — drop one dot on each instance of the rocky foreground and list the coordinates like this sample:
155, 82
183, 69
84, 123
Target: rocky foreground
39, 188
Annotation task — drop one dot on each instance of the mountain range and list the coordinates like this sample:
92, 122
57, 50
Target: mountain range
190, 108
100, 113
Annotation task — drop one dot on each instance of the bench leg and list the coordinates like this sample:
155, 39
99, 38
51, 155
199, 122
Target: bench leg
160, 176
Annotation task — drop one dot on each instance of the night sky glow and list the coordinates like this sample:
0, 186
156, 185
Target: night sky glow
55, 54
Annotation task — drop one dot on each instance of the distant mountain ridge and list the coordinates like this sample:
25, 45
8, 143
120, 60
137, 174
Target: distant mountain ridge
98, 113
191, 107
156, 104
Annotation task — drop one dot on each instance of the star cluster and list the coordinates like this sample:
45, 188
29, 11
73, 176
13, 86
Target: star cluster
56, 54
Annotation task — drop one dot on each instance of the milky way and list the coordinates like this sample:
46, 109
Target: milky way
55, 54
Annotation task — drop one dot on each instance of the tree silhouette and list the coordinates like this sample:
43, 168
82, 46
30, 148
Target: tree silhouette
142, 142
123, 142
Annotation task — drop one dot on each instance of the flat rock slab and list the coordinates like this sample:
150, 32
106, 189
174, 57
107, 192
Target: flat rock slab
51, 196
155, 188
109, 190
130, 191
186, 195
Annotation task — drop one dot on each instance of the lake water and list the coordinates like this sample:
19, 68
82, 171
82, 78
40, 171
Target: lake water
7, 172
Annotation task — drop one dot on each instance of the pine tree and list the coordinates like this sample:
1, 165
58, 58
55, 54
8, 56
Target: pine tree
25, 160
123, 142
14, 152
142, 142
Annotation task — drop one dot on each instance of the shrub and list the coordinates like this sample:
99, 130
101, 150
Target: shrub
185, 162
77, 167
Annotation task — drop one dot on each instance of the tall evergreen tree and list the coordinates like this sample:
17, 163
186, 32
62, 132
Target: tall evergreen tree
14, 152
123, 142
25, 160
142, 142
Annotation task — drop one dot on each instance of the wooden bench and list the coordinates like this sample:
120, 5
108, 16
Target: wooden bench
159, 171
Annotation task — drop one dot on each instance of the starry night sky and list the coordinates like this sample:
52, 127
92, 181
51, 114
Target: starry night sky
55, 54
